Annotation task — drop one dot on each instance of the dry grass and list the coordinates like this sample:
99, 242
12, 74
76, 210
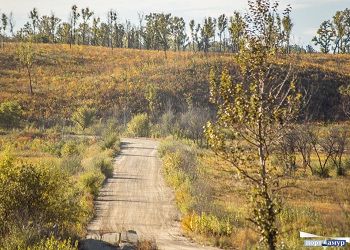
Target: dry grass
336, 63
147, 245
315, 205
66, 78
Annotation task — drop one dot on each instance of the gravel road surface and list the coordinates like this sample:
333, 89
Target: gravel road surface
137, 198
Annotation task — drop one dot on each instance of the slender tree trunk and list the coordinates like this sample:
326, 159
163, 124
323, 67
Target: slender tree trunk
112, 40
224, 43
84, 34
268, 207
30, 81
70, 38
335, 48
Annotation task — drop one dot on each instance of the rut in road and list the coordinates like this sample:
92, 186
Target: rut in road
137, 198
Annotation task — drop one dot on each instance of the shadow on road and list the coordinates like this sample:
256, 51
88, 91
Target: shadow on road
91, 244
97, 240
149, 156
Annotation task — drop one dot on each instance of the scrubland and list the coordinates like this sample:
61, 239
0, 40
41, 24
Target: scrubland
66, 134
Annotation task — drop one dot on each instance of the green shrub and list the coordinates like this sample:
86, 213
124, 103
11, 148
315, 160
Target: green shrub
105, 165
84, 117
18, 238
166, 146
179, 161
172, 171
10, 115
192, 122
167, 121
346, 166
71, 164
322, 172
184, 197
111, 141
209, 224
97, 159
54, 148
139, 126
92, 181
54, 244
170, 145
69, 148
155, 131
184, 156
37, 144
37, 195
104, 127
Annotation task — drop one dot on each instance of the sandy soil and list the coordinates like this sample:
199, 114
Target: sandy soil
136, 198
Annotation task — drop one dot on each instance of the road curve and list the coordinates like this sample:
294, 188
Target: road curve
136, 198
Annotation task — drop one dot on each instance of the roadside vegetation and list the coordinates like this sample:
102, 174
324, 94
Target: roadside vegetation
257, 140
212, 197
48, 181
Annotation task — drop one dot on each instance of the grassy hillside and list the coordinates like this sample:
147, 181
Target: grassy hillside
109, 80
112, 81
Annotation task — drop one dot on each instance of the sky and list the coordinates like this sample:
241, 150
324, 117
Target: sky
307, 14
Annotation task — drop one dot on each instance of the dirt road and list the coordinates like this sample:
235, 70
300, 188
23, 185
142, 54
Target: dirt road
136, 198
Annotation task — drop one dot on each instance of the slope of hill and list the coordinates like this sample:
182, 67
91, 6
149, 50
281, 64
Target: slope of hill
67, 78
120, 80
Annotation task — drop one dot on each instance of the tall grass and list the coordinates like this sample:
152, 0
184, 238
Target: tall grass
211, 199
182, 173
